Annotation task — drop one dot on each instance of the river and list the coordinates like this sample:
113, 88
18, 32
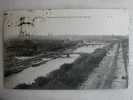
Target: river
28, 75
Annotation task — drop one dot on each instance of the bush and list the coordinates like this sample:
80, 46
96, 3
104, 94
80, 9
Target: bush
40, 81
56, 84
66, 67
23, 86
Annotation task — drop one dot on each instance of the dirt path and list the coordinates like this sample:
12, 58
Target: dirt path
110, 72
120, 74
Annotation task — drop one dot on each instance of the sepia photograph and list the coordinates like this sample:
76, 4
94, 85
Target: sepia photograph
65, 49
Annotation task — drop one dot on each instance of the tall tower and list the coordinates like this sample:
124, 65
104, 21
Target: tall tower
23, 23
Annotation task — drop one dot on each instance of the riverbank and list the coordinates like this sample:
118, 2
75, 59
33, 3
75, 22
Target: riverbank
69, 76
111, 73
34, 50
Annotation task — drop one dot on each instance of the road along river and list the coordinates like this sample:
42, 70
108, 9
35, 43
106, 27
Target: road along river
28, 75
110, 73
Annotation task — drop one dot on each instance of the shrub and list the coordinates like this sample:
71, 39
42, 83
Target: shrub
66, 67
41, 81
23, 86
56, 84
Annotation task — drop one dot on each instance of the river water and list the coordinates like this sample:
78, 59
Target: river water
28, 75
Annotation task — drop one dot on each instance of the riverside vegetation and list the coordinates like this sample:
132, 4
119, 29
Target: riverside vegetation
29, 48
69, 76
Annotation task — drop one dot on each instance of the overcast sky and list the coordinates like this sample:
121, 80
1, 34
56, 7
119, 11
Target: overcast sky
70, 22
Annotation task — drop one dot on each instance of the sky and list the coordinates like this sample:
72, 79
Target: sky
69, 22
